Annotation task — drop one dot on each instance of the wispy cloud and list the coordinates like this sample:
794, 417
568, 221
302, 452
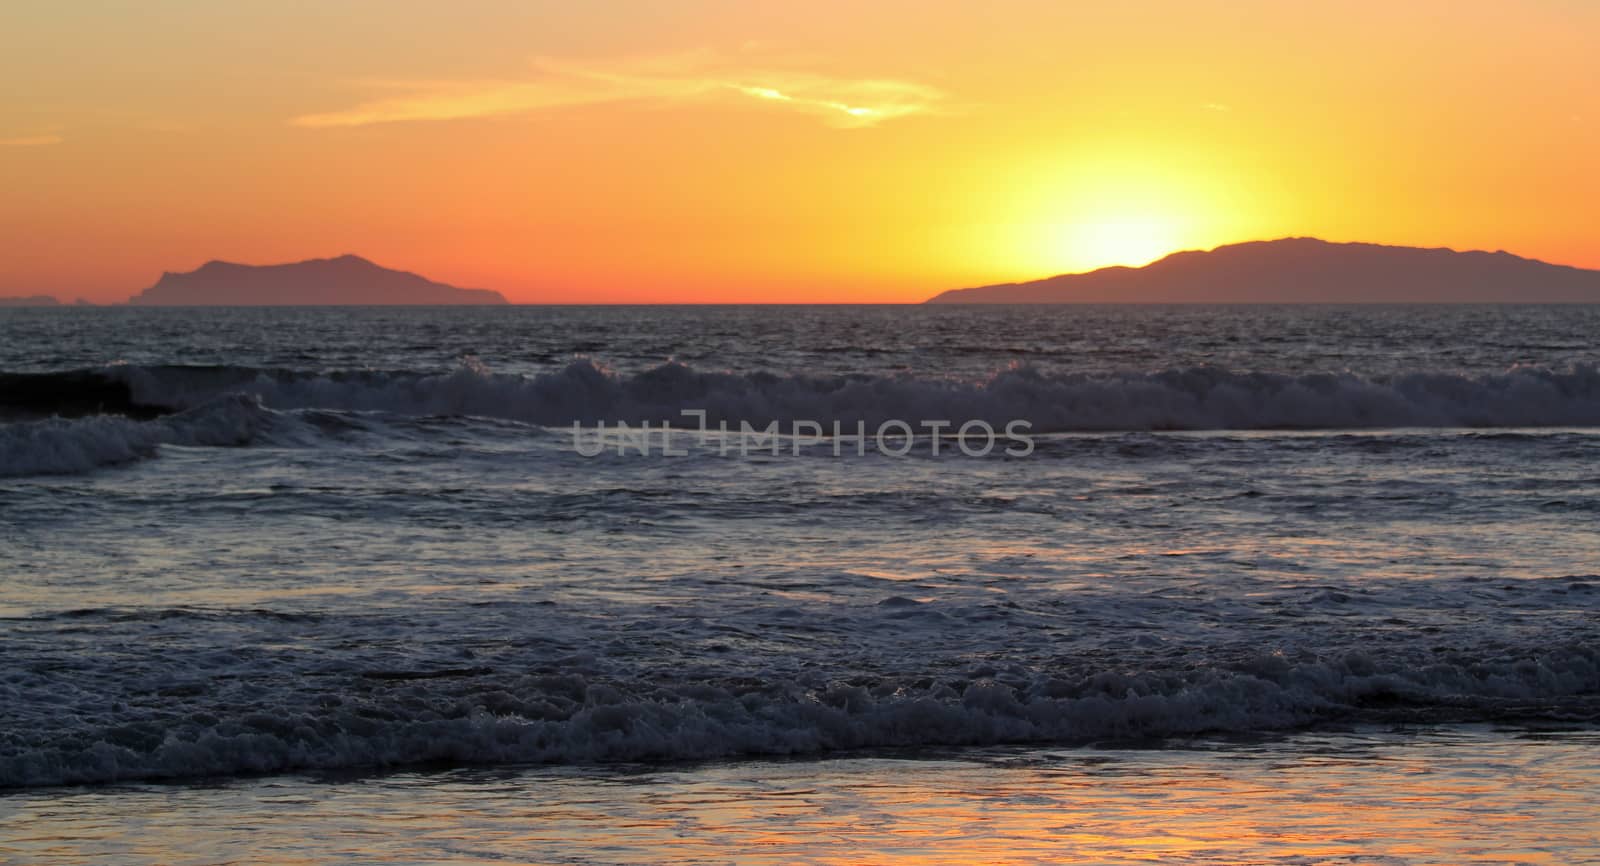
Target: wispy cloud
668, 80
31, 141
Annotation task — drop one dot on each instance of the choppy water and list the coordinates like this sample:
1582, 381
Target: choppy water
262, 541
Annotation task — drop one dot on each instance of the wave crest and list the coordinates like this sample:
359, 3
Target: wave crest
65, 446
476, 717
1196, 398
236, 405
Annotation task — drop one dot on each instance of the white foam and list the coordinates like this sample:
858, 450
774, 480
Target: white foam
1201, 398
60, 446
576, 719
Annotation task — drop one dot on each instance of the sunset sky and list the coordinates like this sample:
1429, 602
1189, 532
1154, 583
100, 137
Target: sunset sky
779, 152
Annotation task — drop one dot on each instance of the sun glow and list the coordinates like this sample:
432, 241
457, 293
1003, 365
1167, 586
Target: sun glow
1121, 203
1132, 240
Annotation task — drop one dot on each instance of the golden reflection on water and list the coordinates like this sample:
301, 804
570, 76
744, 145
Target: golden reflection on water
1450, 797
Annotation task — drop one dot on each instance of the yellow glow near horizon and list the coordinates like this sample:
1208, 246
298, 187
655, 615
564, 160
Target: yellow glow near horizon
1118, 205
1101, 241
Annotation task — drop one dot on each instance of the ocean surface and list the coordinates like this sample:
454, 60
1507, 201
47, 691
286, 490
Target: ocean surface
1243, 585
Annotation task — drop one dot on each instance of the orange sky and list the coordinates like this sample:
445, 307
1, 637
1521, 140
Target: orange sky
779, 152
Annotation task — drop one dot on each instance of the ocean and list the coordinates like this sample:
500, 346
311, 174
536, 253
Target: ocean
1178, 584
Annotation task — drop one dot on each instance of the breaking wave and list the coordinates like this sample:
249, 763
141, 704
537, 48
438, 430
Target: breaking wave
473, 716
1198, 398
63, 446
121, 414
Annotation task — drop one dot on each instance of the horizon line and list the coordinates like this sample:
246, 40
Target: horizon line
80, 301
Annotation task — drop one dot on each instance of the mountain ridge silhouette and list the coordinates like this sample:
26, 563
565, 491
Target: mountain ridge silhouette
29, 301
1306, 270
342, 280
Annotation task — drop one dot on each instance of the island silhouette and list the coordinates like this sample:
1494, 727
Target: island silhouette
345, 280
30, 301
1306, 270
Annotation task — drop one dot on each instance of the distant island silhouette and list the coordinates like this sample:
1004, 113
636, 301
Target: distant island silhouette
1306, 270
30, 301
344, 280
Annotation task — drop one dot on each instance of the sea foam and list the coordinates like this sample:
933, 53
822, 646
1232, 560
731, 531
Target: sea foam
61, 446
480, 717
1194, 398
